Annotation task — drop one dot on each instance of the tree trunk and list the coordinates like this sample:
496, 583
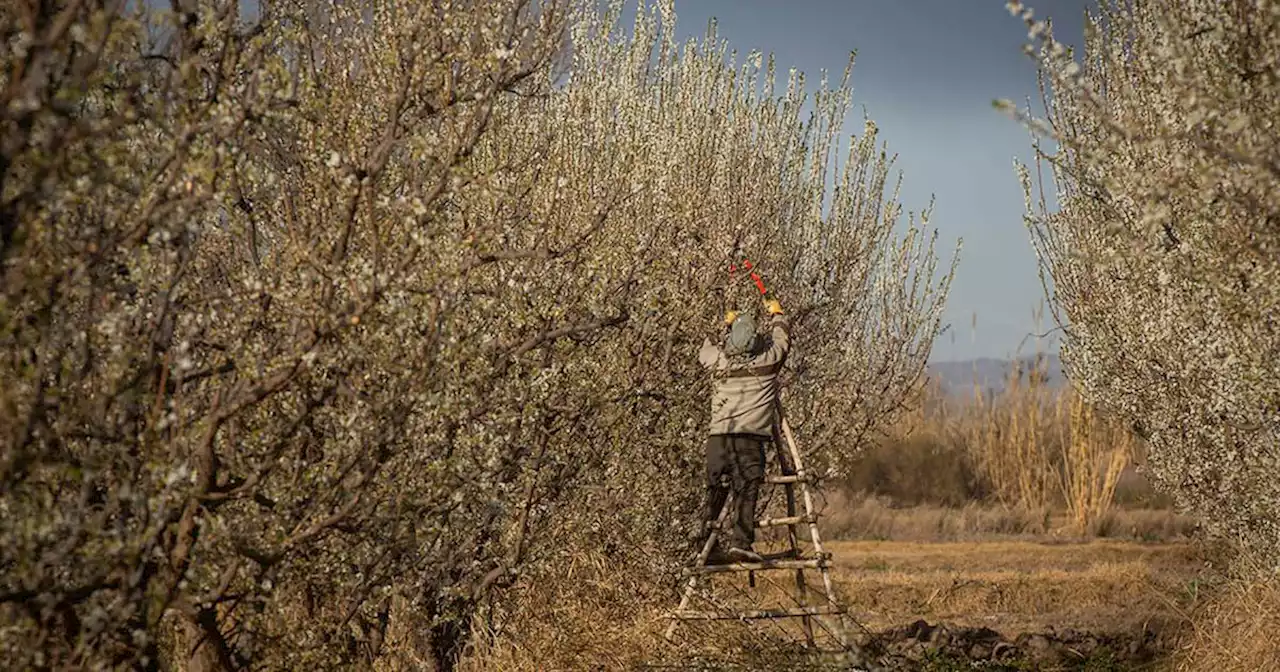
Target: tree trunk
449, 636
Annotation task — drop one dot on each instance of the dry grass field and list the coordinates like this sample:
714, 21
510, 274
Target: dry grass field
1016, 585
939, 572
1013, 601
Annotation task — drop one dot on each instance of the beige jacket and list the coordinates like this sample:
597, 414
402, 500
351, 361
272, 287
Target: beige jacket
746, 391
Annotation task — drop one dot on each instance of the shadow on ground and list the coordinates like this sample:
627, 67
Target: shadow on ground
944, 648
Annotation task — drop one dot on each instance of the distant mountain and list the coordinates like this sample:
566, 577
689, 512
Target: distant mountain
990, 373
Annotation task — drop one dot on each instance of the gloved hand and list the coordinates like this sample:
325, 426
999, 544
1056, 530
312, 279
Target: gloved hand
729, 317
773, 306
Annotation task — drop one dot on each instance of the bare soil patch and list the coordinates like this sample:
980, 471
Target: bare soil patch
1096, 605
1099, 586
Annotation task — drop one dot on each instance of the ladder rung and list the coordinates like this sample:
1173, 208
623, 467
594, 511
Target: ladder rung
825, 610
795, 555
796, 478
810, 563
787, 520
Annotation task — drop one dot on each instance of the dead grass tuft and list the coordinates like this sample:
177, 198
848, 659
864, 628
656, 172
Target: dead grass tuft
1235, 629
595, 615
592, 614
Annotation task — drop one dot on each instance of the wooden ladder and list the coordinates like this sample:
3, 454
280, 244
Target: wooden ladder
828, 612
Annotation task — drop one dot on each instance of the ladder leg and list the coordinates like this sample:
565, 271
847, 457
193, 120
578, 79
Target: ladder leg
814, 535
707, 545
787, 469
802, 589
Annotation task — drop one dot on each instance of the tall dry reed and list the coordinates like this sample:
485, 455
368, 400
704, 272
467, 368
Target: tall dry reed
1030, 445
1008, 434
1094, 455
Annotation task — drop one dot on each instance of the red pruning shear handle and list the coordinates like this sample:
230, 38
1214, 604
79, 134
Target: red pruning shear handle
755, 277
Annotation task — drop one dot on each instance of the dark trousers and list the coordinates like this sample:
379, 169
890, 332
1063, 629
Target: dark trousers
735, 461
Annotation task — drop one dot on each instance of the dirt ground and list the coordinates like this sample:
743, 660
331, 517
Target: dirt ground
1004, 604
1018, 586
1097, 604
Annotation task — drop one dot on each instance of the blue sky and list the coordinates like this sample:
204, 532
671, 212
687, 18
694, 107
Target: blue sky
926, 72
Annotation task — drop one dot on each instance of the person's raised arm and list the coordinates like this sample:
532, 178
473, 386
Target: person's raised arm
781, 332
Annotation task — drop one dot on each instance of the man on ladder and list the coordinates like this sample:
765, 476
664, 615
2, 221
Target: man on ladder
744, 368
746, 413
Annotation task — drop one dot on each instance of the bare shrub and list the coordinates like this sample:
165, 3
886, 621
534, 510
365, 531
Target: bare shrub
1135, 491
322, 328
854, 516
920, 468
1162, 248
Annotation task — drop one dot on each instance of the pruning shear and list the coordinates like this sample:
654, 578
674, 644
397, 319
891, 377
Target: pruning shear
755, 277
770, 302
